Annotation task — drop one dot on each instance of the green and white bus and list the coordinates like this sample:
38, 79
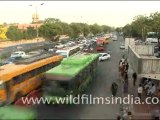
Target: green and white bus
71, 77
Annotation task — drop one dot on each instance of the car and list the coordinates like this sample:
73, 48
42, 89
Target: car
60, 45
114, 38
18, 54
86, 49
81, 46
100, 48
104, 56
122, 46
51, 49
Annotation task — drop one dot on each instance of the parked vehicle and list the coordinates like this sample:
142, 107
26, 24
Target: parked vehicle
104, 56
19, 54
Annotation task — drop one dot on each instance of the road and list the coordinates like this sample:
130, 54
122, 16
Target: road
24, 47
107, 73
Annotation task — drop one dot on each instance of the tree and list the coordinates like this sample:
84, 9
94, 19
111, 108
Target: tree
3, 31
14, 33
85, 29
106, 28
51, 20
155, 21
50, 31
30, 33
66, 29
95, 29
77, 30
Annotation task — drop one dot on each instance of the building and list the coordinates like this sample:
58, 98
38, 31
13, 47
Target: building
143, 61
25, 26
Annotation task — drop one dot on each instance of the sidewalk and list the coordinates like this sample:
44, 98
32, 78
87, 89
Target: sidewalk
139, 111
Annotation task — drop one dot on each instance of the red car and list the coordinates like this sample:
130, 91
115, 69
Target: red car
100, 48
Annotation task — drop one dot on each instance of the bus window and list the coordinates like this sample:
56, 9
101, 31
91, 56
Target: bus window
17, 80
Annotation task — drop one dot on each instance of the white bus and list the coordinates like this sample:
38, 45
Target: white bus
66, 52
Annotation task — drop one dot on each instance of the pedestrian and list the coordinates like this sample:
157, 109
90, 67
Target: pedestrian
134, 76
140, 90
120, 65
151, 90
126, 78
126, 66
114, 88
125, 88
123, 70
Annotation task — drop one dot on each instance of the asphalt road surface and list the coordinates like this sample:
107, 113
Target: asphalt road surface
24, 47
107, 73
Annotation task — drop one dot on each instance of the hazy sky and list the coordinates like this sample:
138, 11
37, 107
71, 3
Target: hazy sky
112, 13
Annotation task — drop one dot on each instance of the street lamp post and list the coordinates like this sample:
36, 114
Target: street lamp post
36, 17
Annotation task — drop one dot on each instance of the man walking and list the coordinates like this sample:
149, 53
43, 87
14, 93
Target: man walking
114, 88
134, 76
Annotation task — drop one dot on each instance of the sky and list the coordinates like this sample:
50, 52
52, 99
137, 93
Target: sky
112, 13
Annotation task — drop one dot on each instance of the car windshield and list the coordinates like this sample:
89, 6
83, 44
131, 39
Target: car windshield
64, 54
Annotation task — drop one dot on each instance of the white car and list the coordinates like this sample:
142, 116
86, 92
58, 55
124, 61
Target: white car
122, 46
59, 46
104, 56
18, 54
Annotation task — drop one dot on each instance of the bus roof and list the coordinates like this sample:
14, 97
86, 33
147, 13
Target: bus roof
72, 65
9, 71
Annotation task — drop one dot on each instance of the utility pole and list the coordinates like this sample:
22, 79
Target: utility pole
36, 19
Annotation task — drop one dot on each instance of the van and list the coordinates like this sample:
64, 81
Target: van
151, 40
67, 52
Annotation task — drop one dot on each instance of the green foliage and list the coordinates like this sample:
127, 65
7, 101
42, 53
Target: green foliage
50, 30
85, 29
77, 29
30, 33
95, 29
14, 33
53, 28
141, 25
106, 28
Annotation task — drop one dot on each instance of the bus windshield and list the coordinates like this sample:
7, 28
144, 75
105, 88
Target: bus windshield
57, 88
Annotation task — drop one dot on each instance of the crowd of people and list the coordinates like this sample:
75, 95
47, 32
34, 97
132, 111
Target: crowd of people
146, 86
